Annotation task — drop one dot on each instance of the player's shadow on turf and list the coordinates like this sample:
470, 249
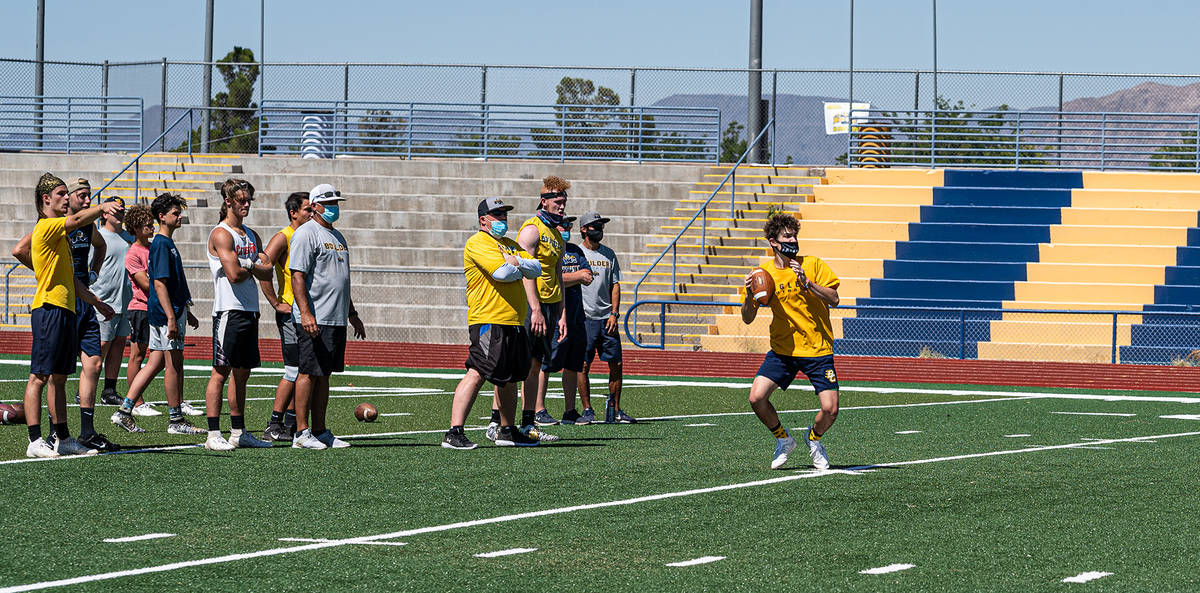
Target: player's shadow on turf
358, 445
602, 439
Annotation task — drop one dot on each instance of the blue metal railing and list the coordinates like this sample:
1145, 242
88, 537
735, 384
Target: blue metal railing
702, 213
325, 129
1165, 337
135, 162
70, 124
1024, 140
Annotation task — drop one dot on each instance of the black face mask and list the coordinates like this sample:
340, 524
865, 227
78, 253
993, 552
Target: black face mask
594, 234
789, 249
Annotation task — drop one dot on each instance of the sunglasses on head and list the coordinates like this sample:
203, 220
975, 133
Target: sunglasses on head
328, 194
241, 184
554, 194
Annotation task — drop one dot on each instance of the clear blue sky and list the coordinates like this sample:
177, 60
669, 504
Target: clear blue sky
1047, 35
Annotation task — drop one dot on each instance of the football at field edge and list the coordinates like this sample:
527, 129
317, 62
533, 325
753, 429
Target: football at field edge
12, 414
366, 412
762, 286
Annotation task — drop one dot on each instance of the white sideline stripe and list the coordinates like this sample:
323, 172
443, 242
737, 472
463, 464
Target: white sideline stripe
1016, 436
877, 407
533, 514
887, 569
907, 431
397, 414
1084, 577
700, 424
508, 552
1181, 416
137, 538
320, 540
1092, 414
695, 561
1099, 448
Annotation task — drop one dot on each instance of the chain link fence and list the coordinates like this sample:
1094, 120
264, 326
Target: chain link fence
793, 97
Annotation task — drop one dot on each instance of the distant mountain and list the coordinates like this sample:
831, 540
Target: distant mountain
1148, 97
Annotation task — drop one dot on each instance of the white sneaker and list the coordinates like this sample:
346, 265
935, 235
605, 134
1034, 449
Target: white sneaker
218, 443
536, 434
39, 448
493, 429
783, 448
188, 410
305, 440
817, 451
249, 441
331, 441
145, 409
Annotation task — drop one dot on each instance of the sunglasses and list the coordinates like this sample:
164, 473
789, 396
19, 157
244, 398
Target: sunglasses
328, 194
567, 225
554, 194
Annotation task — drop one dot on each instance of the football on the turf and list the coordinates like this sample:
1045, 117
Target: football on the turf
762, 286
12, 413
366, 412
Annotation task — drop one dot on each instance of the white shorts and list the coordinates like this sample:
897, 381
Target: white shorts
158, 335
118, 325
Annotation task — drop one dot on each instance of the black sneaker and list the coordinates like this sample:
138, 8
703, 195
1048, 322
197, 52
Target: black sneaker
457, 440
511, 437
109, 397
98, 442
570, 417
276, 431
624, 418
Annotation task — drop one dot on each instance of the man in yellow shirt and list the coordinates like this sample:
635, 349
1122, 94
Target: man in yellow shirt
282, 424
801, 337
55, 346
496, 310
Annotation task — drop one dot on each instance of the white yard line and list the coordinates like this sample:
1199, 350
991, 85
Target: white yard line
1017, 436
137, 538
508, 552
543, 513
1084, 577
887, 569
700, 424
320, 540
908, 432
1093, 414
695, 561
397, 414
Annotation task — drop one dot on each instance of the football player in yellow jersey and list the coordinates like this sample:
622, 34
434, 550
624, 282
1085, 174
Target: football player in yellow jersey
496, 310
282, 424
801, 337
55, 346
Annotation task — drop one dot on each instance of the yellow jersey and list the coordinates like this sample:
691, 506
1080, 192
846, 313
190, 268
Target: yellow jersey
800, 325
283, 276
489, 300
549, 251
52, 264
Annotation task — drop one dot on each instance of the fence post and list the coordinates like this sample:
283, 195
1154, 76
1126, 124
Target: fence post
917, 90
674, 250
1060, 112
1197, 143
632, 85
1114, 338
104, 106
69, 114
774, 96
662, 326
703, 228
487, 129
8, 314
732, 185
1018, 138
1103, 137
345, 81
162, 145
962, 334
932, 131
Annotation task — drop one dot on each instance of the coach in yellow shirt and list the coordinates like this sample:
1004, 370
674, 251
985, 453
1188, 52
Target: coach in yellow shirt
801, 337
52, 321
496, 309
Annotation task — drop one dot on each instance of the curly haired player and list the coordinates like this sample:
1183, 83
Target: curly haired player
801, 337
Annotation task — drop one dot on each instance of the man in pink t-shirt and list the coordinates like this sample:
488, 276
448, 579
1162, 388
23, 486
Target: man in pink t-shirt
140, 223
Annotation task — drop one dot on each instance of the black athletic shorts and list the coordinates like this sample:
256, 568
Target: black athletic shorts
139, 327
543, 346
567, 354
499, 352
287, 339
323, 354
235, 339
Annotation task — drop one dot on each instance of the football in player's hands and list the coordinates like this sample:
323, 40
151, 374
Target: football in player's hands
762, 286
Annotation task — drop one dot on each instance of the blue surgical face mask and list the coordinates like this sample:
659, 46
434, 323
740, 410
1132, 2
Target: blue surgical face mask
499, 228
331, 213
566, 235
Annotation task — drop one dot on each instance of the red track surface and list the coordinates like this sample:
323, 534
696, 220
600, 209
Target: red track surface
719, 364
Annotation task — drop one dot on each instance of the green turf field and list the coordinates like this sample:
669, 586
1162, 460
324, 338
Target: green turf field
977, 488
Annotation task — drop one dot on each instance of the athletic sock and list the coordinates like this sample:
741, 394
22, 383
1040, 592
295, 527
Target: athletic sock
812, 434
35, 432
214, 424
61, 431
496, 416
237, 424
289, 419
456, 429
127, 405
276, 417
214, 434
175, 414
86, 418
110, 384
527, 417
779, 431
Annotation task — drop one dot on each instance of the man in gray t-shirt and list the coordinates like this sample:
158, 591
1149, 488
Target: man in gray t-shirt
601, 306
113, 288
319, 261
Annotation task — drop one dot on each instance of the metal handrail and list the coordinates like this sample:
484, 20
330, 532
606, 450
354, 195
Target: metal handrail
135, 162
962, 313
8, 315
702, 212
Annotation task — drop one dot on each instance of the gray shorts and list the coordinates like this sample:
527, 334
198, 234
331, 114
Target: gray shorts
158, 335
118, 325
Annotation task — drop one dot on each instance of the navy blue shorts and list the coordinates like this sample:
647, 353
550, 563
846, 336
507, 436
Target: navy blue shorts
782, 369
54, 351
567, 354
598, 340
87, 329
541, 346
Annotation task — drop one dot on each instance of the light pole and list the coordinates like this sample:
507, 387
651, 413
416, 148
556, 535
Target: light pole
208, 38
754, 118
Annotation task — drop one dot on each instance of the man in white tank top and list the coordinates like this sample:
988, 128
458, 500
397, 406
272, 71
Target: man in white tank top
235, 258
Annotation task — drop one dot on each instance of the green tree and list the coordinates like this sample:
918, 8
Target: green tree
234, 127
579, 125
733, 142
1182, 156
377, 131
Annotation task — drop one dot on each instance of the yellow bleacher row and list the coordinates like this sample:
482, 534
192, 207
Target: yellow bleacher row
1109, 252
